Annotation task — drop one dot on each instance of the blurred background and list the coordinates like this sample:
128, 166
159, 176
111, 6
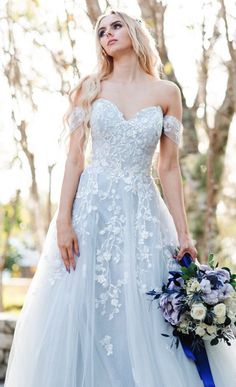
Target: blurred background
45, 47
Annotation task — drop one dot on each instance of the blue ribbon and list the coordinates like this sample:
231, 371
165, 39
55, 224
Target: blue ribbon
198, 355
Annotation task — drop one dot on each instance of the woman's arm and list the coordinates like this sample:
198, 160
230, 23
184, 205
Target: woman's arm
66, 237
170, 176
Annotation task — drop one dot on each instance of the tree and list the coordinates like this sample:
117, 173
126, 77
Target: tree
24, 78
10, 217
210, 182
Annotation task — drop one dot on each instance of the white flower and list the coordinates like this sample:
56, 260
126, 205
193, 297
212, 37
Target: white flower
200, 331
211, 329
220, 310
193, 286
220, 320
183, 326
198, 311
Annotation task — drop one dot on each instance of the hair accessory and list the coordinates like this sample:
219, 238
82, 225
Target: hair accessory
138, 20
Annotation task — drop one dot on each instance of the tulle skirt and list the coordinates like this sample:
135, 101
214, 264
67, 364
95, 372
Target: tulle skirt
95, 326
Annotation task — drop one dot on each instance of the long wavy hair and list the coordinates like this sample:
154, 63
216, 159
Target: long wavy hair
89, 86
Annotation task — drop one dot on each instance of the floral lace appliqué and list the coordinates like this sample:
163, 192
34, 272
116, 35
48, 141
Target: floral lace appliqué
114, 201
76, 118
106, 343
172, 128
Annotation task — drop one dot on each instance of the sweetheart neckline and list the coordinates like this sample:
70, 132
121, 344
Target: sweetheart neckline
136, 114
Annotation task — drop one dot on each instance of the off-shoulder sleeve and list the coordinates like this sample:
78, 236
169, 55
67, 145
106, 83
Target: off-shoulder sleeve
172, 128
75, 118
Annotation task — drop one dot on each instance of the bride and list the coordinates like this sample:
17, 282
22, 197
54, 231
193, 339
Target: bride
86, 320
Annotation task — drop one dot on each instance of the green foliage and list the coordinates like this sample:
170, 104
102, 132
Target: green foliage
233, 280
195, 169
211, 260
12, 257
11, 217
189, 272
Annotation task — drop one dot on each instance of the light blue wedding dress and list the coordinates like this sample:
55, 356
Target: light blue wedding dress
95, 326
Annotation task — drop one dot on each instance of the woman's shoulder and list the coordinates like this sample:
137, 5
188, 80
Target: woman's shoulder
167, 86
165, 93
82, 88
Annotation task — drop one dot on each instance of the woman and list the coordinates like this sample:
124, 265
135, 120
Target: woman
94, 326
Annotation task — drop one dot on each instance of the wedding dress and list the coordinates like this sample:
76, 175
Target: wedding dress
96, 326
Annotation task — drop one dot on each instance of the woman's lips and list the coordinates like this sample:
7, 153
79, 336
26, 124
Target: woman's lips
111, 42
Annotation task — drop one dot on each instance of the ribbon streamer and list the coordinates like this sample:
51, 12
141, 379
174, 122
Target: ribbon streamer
199, 356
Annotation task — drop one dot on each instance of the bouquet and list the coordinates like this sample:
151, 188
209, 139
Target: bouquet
199, 301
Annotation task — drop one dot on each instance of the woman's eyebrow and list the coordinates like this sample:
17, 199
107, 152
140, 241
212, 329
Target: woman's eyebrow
110, 24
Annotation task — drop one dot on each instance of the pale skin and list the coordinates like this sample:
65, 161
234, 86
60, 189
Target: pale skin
128, 82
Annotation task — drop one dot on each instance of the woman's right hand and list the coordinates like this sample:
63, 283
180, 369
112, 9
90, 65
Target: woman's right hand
68, 244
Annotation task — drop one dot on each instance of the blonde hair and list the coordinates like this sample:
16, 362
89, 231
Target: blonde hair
90, 85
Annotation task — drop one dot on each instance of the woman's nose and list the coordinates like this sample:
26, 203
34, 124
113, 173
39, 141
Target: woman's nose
108, 32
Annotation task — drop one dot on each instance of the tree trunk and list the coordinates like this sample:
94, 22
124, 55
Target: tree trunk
49, 201
218, 138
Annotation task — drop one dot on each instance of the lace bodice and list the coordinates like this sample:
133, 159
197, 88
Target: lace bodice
126, 144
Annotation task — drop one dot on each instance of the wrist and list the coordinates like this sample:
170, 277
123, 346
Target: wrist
184, 234
63, 220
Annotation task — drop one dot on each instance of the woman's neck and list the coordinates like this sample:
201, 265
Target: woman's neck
126, 69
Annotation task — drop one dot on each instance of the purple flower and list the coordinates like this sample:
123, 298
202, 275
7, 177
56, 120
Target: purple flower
173, 286
218, 274
224, 291
223, 274
211, 298
204, 267
170, 306
205, 286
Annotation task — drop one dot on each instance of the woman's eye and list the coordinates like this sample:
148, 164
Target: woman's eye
100, 34
117, 25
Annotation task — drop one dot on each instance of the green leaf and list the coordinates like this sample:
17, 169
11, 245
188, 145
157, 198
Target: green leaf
233, 283
211, 260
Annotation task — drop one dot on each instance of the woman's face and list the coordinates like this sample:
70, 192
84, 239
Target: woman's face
113, 35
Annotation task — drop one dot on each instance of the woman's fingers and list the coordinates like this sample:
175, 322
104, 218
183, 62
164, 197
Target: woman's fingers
65, 258
76, 246
68, 245
71, 257
191, 250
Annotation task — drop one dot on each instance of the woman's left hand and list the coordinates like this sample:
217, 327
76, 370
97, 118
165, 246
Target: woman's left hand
186, 246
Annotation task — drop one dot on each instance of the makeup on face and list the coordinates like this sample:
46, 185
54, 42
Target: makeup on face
117, 24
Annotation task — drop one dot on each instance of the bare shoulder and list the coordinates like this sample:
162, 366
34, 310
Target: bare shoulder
81, 89
168, 87
171, 97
